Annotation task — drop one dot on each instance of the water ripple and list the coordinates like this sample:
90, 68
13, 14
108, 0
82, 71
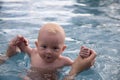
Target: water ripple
95, 24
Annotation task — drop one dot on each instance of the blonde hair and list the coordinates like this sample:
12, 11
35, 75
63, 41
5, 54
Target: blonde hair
53, 28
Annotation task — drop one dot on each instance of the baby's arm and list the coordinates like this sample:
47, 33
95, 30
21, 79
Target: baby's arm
22, 43
84, 52
67, 61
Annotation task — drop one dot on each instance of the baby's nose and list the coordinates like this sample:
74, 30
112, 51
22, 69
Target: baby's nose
49, 51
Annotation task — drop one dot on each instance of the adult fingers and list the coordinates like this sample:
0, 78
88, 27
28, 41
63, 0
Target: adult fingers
26, 41
92, 55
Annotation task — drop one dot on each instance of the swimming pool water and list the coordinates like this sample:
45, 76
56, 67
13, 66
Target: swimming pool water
93, 23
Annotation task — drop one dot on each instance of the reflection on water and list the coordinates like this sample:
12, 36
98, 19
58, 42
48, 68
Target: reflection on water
94, 23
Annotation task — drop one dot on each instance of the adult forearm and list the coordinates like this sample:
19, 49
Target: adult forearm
71, 75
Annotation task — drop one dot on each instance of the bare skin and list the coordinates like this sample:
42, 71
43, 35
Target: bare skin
80, 64
84, 52
46, 56
11, 51
47, 53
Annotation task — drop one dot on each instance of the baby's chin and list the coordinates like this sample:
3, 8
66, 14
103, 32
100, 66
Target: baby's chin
49, 61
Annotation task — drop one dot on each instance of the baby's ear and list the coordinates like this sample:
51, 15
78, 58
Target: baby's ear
64, 47
36, 43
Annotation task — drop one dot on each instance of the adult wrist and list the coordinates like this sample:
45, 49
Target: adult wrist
72, 73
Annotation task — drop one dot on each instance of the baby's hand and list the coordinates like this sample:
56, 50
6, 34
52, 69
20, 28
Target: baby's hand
15, 45
84, 52
20, 40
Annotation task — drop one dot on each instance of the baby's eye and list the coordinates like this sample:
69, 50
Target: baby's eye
44, 46
55, 48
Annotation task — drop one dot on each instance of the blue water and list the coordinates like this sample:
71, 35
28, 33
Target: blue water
93, 23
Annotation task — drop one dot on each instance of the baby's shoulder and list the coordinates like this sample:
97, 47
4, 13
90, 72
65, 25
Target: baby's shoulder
66, 60
34, 51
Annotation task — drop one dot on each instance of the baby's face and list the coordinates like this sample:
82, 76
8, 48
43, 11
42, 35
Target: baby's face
50, 46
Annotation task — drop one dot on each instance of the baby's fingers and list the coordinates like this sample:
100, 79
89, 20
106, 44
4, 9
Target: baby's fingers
84, 55
25, 40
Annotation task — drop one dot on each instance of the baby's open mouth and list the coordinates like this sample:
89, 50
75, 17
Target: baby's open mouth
48, 57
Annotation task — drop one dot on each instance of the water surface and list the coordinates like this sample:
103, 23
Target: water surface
93, 23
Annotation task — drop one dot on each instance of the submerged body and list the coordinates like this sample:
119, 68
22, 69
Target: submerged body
46, 58
41, 74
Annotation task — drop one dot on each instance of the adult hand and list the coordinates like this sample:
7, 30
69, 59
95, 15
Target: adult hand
81, 64
12, 47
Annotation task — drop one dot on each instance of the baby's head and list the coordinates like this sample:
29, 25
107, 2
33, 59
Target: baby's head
52, 29
50, 42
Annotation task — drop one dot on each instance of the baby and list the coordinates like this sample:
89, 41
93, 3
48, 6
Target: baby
46, 57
